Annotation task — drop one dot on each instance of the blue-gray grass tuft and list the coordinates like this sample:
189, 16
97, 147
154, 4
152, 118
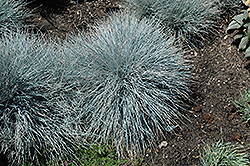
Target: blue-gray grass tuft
190, 21
35, 117
229, 7
145, 8
224, 154
243, 105
13, 14
133, 81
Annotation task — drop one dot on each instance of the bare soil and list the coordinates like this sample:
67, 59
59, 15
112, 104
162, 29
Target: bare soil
220, 72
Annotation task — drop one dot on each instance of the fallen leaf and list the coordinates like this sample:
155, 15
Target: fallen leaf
237, 137
196, 157
197, 109
209, 118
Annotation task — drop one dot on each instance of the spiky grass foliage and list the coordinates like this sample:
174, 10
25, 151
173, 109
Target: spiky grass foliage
133, 81
223, 154
243, 105
229, 7
190, 21
36, 120
145, 8
13, 14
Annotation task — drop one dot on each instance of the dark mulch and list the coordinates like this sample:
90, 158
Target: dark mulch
220, 73
61, 20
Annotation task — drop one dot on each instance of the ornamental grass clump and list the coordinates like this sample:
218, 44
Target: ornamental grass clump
145, 8
190, 21
133, 81
36, 120
243, 105
13, 14
224, 154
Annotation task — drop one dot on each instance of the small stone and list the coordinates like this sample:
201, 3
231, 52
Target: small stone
163, 144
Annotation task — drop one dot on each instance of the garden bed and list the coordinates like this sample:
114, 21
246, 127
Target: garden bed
220, 73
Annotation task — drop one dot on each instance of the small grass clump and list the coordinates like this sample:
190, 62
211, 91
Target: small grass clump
35, 117
190, 21
133, 82
223, 154
243, 105
13, 14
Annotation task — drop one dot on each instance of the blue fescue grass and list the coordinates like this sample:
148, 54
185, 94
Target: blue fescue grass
230, 7
13, 14
243, 106
190, 21
133, 80
145, 8
36, 114
223, 154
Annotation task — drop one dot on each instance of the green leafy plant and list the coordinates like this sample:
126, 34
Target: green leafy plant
35, 117
243, 105
100, 155
241, 23
221, 154
133, 82
13, 14
90, 155
190, 21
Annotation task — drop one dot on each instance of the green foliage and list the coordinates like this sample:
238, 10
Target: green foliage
94, 155
243, 105
241, 23
91, 155
222, 154
133, 82
35, 117
99, 155
190, 21
13, 14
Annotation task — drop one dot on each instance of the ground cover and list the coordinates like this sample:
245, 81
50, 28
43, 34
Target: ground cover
221, 72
